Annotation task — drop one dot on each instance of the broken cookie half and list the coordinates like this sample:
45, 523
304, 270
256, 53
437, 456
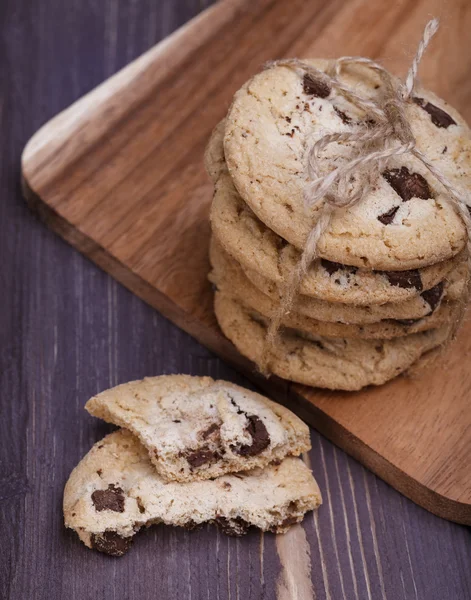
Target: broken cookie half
195, 428
115, 490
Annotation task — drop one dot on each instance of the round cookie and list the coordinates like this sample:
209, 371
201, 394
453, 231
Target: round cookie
231, 281
257, 247
340, 364
115, 490
406, 222
195, 428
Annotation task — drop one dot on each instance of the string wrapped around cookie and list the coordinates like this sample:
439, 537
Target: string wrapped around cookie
384, 133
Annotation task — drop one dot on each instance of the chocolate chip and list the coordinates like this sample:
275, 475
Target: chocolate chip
333, 267
140, 505
110, 499
345, 118
444, 149
407, 185
260, 437
315, 87
288, 119
433, 295
111, 543
236, 526
192, 526
176, 421
404, 279
199, 457
388, 217
439, 117
257, 430
209, 431
226, 485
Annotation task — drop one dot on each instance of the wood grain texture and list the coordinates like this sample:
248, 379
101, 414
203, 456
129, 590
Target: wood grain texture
68, 330
119, 175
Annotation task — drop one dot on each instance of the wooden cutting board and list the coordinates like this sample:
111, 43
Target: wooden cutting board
120, 176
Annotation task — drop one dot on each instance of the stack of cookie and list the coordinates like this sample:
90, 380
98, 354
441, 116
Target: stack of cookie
391, 279
192, 450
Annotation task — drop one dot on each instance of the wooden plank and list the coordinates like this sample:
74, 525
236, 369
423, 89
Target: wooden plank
119, 175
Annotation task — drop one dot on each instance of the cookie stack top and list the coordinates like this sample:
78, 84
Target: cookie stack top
405, 222
397, 254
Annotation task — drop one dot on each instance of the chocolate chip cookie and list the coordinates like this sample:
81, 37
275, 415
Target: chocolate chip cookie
231, 281
452, 288
334, 363
405, 223
115, 490
196, 428
256, 247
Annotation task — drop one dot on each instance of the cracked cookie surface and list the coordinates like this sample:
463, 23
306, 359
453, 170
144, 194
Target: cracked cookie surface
115, 490
406, 222
318, 361
196, 428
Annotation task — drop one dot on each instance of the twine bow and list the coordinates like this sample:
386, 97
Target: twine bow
385, 133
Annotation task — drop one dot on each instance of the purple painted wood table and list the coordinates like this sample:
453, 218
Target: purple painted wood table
68, 330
